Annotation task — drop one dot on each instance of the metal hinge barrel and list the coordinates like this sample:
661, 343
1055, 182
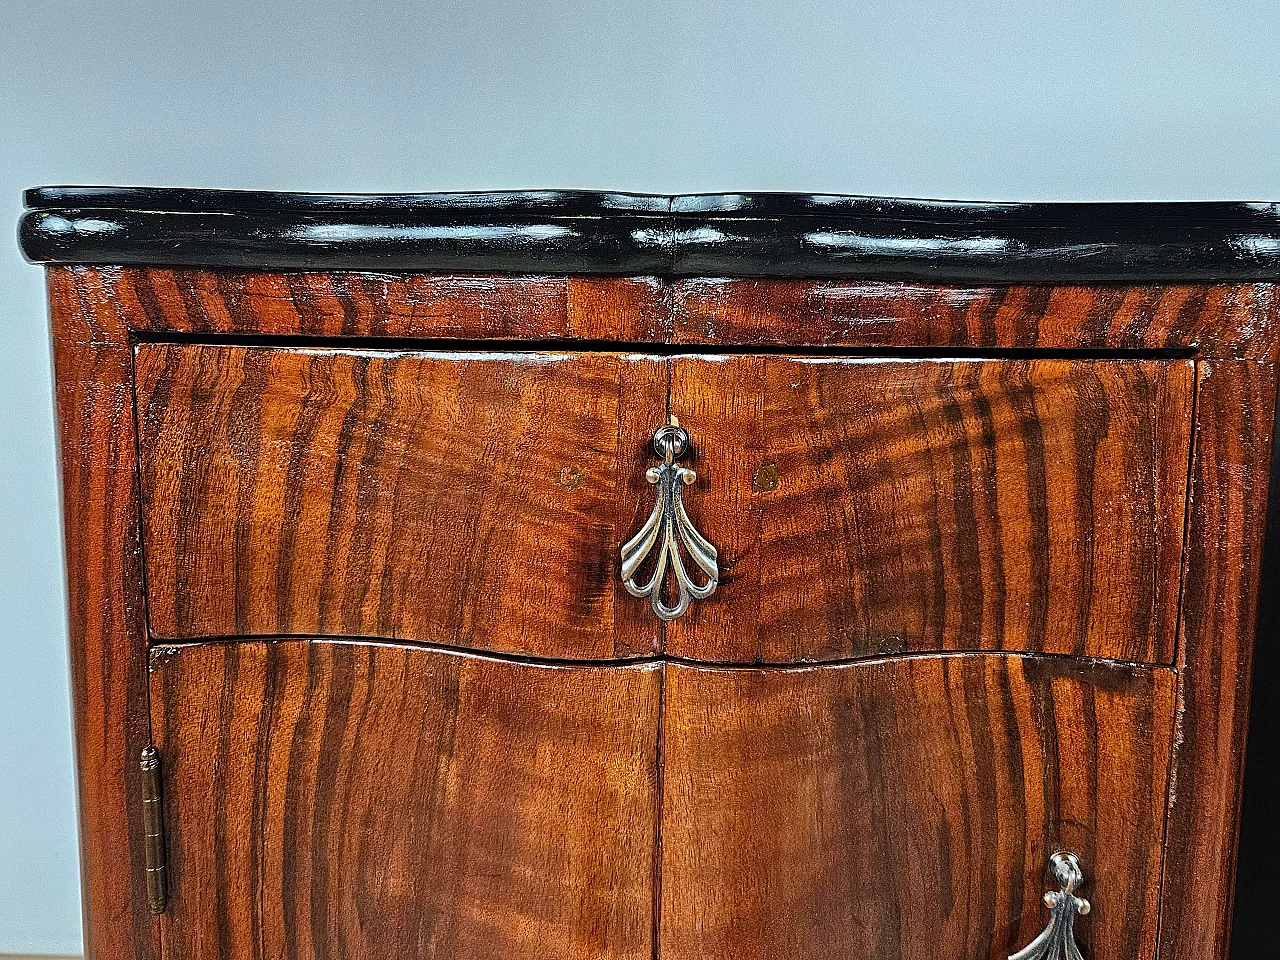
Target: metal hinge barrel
153, 830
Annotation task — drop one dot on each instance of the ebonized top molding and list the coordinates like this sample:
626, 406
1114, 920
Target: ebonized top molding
722, 235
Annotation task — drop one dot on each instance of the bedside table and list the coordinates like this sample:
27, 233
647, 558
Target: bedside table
573, 575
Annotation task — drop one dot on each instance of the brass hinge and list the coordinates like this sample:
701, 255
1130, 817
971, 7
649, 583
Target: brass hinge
153, 830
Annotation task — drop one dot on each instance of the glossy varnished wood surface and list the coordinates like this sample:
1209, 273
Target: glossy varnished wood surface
371, 801
461, 499
906, 808
877, 506
475, 500
107, 636
108, 302
1229, 486
1218, 320
1214, 319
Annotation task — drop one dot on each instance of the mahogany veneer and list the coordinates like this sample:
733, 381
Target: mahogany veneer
373, 493
428, 804
920, 505
349, 485
904, 807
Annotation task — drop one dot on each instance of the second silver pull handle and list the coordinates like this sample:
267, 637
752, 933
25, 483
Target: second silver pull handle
1058, 940
670, 532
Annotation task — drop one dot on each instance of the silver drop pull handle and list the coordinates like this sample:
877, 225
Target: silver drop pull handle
670, 531
1058, 940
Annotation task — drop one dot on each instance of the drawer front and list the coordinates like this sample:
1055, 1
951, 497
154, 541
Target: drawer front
866, 507
859, 507
906, 808
461, 499
377, 801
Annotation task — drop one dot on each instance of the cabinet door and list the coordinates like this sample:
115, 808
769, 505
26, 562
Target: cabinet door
904, 809
873, 506
377, 802
470, 499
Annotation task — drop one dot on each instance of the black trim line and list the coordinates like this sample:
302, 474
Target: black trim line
722, 235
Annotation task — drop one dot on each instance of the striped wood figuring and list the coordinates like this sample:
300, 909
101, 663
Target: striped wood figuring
382, 802
475, 500
905, 807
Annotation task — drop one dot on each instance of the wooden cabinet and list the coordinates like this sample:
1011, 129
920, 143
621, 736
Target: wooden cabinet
602, 576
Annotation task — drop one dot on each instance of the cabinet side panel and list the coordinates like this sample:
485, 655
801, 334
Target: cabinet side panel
1235, 406
108, 647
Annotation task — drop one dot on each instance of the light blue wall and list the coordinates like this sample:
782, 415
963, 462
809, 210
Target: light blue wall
1084, 100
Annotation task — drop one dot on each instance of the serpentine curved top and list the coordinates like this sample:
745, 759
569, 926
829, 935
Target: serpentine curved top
726, 235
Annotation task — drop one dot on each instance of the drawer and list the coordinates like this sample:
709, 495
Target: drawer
860, 507
476, 500
864, 507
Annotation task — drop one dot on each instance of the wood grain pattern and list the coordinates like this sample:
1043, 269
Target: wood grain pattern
372, 801
115, 301
906, 808
107, 636
938, 505
720, 402
1229, 485
1216, 320
460, 499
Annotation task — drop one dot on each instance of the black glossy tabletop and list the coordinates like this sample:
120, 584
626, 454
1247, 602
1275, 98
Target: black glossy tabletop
730, 234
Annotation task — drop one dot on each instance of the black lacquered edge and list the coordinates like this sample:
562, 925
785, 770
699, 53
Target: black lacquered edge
508, 203
835, 248
961, 213
735, 235
603, 245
